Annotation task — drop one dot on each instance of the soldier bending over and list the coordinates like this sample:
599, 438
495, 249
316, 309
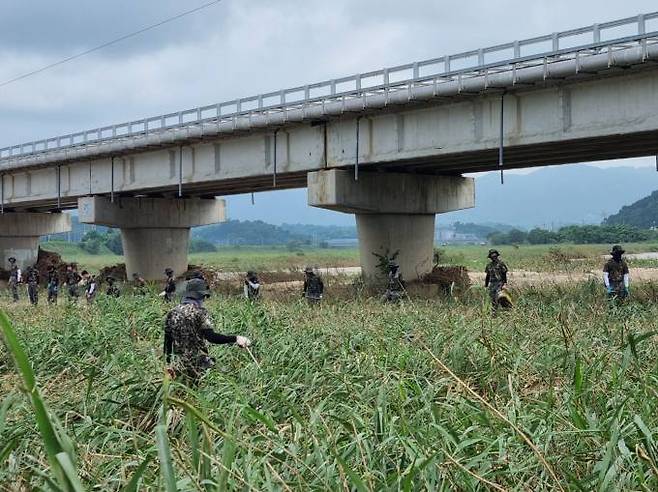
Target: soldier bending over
188, 330
395, 290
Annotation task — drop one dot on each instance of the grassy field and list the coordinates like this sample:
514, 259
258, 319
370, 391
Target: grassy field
560, 393
563, 257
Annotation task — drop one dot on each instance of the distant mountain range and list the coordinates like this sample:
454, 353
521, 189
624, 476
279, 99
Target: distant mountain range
550, 197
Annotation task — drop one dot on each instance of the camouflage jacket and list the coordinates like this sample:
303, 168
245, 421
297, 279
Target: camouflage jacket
14, 274
252, 288
32, 276
113, 291
313, 287
496, 273
53, 279
72, 278
395, 282
187, 330
616, 270
170, 285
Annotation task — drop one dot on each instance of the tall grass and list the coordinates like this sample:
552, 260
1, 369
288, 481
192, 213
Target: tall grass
348, 395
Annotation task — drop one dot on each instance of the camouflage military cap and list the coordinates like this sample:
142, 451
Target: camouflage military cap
12, 260
196, 288
308, 269
617, 249
169, 271
493, 252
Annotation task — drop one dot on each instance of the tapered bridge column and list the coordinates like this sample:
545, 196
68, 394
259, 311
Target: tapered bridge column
395, 212
155, 232
20, 233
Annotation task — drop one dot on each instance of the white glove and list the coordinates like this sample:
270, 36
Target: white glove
242, 342
162, 294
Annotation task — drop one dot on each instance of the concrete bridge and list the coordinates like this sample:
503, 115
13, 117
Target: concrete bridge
389, 146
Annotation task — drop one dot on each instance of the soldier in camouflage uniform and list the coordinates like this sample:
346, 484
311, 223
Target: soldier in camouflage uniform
53, 284
15, 278
188, 330
72, 279
170, 286
32, 278
139, 285
615, 274
395, 290
91, 287
112, 290
313, 286
496, 277
252, 286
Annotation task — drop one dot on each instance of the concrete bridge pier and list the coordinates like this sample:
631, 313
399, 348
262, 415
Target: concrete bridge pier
20, 232
155, 232
394, 212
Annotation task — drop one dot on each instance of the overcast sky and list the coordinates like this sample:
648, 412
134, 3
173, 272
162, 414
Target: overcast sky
236, 48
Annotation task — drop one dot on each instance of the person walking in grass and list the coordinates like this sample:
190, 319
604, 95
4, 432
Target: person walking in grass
616, 276
395, 290
139, 285
188, 330
15, 278
170, 285
53, 284
496, 280
313, 286
252, 287
32, 278
91, 288
112, 289
72, 280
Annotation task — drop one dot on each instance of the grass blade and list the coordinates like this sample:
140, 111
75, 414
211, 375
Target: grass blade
132, 485
49, 435
164, 454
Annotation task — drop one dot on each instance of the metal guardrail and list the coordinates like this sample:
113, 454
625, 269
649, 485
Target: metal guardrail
574, 43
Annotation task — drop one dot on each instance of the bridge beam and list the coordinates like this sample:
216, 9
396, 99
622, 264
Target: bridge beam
394, 212
155, 232
20, 232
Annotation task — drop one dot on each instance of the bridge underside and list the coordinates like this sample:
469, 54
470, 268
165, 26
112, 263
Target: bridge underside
567, 122
592, 149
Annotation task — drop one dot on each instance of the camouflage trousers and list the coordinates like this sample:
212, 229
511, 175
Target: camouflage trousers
33, 293
392, 295
53, 290
13, 287
73, 293
191, 370
494, 290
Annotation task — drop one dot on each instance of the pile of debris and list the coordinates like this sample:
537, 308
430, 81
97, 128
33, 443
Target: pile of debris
45, 259
117, 272
450, 279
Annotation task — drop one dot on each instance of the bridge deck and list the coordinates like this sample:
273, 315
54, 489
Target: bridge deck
446, 77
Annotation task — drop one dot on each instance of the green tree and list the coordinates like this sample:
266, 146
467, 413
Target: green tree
113, 242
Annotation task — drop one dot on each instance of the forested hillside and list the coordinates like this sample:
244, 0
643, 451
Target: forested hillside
643, 213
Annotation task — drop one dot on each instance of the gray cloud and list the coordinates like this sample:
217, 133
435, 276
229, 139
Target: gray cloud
236, 48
